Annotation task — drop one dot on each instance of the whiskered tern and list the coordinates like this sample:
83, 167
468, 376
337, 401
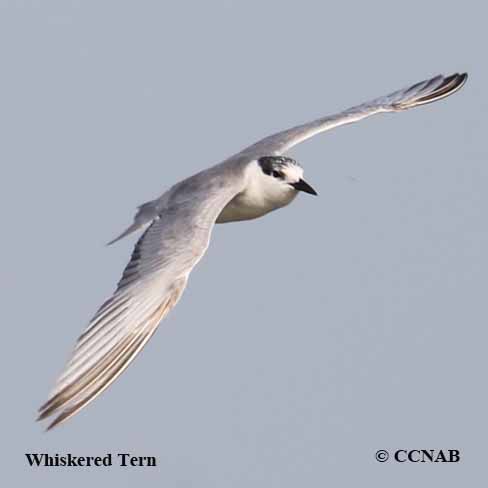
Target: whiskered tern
178, 225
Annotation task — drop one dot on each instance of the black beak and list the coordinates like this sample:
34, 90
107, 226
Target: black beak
302, 185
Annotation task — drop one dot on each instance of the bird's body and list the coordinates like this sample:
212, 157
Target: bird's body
178, 226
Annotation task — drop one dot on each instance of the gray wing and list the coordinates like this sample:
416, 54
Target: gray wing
150, 286
419, 94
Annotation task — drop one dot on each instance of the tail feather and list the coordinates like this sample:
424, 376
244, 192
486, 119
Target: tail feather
146, 213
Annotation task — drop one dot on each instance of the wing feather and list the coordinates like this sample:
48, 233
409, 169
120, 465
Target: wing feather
421, 93
151, 285
77, 395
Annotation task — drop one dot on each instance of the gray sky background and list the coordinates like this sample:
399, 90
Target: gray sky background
306, 340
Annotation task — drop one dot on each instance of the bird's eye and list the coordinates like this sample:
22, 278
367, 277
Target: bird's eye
277, 174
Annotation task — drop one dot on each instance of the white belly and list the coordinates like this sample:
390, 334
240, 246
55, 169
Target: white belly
246, 206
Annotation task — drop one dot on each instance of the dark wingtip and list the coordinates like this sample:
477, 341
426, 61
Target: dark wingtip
53, 424
454, 83
41, 415
450, 85
58, 420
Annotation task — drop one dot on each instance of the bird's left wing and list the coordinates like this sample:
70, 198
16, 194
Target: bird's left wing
426, 91
150, 286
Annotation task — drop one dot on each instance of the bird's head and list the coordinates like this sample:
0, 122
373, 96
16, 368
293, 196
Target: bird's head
284, 174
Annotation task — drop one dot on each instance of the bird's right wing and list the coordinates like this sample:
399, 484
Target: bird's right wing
150, 286
426, 91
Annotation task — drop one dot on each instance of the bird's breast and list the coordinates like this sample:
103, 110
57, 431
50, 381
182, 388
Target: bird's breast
247, 205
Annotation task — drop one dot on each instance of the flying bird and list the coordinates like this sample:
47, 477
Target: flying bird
177, 228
